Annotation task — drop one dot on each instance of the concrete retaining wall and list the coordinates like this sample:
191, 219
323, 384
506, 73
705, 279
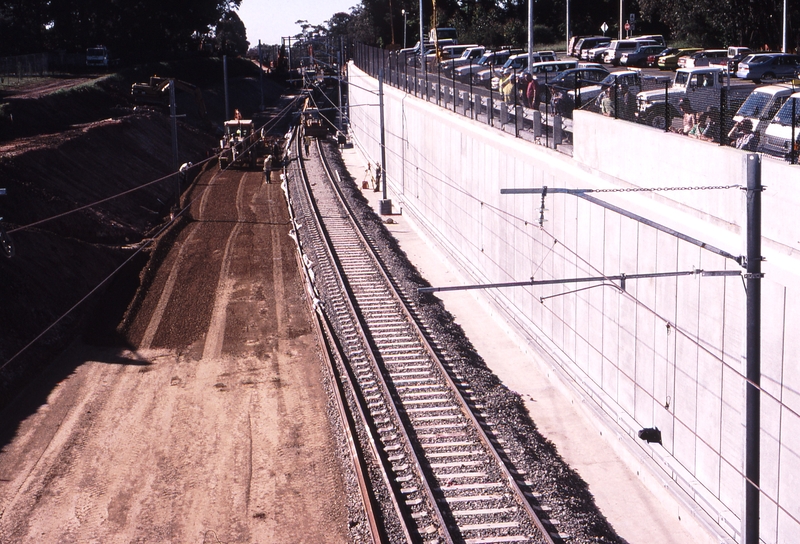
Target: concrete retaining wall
665, 352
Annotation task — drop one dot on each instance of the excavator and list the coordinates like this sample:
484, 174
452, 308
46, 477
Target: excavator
157, 92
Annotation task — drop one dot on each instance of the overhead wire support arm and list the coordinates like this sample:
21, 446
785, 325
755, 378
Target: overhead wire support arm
583, 193
622, 278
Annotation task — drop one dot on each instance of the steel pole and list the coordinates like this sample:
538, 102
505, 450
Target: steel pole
261, 74
530, 34
225, 83
783, 46
175, 160
753, 352
422, 43
385, 204
341, 75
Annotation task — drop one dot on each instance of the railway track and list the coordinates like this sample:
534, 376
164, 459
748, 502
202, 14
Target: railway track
446, 479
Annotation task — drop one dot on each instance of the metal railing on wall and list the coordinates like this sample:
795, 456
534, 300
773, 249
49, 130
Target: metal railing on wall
503, 105
502, 101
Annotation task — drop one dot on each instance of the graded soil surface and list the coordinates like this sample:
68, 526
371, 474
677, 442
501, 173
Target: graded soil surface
190, 404
215, 423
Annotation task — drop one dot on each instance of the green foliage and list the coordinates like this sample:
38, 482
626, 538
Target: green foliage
132, 29
702, 23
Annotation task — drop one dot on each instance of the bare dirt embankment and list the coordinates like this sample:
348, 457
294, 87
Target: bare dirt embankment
184, 401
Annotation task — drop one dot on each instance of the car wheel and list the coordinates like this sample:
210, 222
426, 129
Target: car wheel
769, 77
657, 120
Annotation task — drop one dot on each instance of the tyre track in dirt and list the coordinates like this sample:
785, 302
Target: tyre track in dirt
215, 425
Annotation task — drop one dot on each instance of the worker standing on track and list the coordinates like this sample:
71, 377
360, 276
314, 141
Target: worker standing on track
307, 143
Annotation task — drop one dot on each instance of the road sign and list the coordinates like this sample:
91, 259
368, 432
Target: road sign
627, 26
604, 27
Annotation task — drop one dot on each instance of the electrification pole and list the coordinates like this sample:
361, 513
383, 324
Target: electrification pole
175, 160
422, 44
530, 32
225, 83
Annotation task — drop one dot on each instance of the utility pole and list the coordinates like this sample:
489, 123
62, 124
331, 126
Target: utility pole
175, 160
422, 44
753, 352
225, 84
341, 75
385, 203
530, 32
261, 73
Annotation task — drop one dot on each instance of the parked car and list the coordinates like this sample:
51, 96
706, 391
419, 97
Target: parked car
595, 54
490, 58
768, 67
735, 56
587, 42
785, 125
574, 78
635, 80
652, 60
705, 57
472, 53
670, 62
515, 63
618, 47
658, 39
639, 57
573, 42
762, 105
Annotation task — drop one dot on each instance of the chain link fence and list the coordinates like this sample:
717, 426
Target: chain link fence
702, 104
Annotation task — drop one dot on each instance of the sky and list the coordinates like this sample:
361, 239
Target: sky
270, 20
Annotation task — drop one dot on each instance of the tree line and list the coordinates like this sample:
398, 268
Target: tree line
132, 29
701, 23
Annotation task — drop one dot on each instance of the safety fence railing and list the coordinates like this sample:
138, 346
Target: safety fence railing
701, 105
498, 99
704, 106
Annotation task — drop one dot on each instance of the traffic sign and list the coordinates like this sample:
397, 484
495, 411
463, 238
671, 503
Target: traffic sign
604, 27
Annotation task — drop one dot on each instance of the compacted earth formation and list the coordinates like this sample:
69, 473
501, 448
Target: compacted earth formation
183, 398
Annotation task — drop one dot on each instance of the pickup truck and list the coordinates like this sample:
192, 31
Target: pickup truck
702, 86
635, 80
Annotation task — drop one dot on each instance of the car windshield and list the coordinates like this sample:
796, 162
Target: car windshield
681, 78
756, 59
754, 105
784, 116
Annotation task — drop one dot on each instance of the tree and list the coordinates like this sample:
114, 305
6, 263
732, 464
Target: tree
231, 35
132, 28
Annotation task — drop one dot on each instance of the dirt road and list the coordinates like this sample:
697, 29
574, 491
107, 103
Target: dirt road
211, 426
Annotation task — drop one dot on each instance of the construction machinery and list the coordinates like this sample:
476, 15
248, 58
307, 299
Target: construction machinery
156, 92
313, 122
241, 144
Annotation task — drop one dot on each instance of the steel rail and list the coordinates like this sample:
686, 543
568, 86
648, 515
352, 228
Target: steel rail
463, 405
325, 334
405, 516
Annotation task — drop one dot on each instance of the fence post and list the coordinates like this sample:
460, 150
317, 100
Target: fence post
793, 147
490, 116
557, 131
723, 114
667, 110
438, 84
471, 94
